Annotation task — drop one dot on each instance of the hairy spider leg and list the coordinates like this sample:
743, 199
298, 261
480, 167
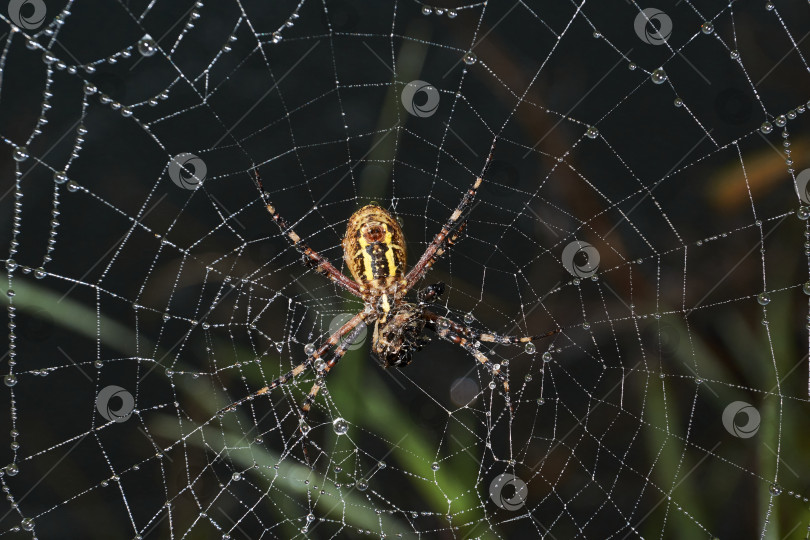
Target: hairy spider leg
445, 333
306, 364
489, 337
426, 263
322, 371
444, 238
312, 258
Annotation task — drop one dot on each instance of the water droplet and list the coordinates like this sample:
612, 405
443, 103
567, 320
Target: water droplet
678, 102
452, 13
492, 386
20, 153
27, 524
60, 177
592, 133
340, 426
775, 489
147, 46
527, 377
10, 379
12, 469
39, 273
11, 265
427, 10
540, 401
734, 55
98, 364
769, 6
632, 66
320, 365
806, 288
310, 517
236, 476
309, 349
780, 120
362, 485
764, 299
470, 58
586, 326
304, 427
803, 212
72, 186
546, 356
434, 466
766, 127
659, 76
707, 27
468, 318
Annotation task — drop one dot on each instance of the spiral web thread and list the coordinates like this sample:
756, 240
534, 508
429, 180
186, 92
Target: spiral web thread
644, 193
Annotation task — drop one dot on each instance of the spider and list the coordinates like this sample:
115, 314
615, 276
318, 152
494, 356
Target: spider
374, 251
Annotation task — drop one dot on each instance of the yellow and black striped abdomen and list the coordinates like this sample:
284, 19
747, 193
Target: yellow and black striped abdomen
374, 248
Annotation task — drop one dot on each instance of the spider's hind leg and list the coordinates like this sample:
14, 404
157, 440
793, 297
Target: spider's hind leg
322, 369
488, 337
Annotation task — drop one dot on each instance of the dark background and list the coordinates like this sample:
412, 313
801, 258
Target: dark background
192, 299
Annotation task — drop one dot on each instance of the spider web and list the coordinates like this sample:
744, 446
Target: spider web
645, 175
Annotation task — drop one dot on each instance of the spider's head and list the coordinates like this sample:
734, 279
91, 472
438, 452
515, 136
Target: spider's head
398, 335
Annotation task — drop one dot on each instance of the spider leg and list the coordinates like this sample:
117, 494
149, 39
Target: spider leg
324, 369
471, 333
495, 369
441, 242
430, 294
311, 257
303, 366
